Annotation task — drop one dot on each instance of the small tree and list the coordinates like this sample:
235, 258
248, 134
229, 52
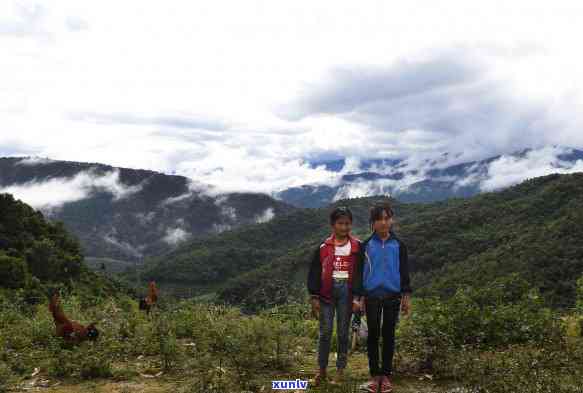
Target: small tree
13, 272
42, 259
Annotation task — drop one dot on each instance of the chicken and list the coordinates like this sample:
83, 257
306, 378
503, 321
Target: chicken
71, 331
150, 300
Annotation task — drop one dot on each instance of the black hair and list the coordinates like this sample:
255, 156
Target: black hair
340, 211
376, 212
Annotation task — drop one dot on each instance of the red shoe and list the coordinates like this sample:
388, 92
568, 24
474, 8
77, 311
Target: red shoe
386, 385
371, 386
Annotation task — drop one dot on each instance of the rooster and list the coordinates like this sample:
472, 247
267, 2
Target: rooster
149, 301
71, 331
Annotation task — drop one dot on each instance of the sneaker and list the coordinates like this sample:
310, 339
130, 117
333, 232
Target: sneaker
386, 385
371, 386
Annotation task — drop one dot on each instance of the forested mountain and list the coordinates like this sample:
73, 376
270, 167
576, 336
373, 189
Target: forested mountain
36, 255
127, 214
533, 229
123, 215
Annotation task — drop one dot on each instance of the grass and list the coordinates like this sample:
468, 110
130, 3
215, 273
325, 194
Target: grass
185, 345
179, 346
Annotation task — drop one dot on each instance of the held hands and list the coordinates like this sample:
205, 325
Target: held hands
358, 305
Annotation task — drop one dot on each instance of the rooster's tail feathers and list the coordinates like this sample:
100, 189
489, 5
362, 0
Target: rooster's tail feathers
56, 309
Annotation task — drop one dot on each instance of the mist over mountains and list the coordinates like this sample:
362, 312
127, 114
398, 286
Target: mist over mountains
432, 180
130, 214
126, 213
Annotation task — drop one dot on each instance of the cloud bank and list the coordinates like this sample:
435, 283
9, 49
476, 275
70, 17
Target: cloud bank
265, 94
55, 192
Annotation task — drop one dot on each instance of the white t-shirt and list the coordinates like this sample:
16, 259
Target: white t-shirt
341, 263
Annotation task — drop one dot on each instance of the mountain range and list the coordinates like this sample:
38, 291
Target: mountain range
432, 180
123, 215
126, 214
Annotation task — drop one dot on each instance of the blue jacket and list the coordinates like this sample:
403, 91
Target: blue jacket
383, 268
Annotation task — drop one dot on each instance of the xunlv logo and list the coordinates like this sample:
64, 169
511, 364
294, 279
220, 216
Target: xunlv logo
284, 385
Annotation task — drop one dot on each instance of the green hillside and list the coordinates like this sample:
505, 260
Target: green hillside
37, 255
533, 229
485, 338
209, 261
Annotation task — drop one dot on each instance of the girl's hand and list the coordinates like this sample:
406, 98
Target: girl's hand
406, 304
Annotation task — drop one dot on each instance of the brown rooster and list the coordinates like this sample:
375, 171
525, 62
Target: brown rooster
71, 331
150, 300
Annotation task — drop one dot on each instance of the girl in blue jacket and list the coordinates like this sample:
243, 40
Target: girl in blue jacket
382, 279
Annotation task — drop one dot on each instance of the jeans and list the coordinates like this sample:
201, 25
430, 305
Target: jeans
387, 311
339, 305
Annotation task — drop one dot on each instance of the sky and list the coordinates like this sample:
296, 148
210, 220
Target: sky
244, 95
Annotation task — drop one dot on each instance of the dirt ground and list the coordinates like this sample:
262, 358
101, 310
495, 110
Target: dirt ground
356, 374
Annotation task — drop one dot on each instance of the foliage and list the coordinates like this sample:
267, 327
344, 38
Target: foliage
533, 229
184, 338
37, 257
13, 272
503, 313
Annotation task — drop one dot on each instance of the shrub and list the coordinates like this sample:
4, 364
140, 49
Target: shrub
554, 367
13, 272
168, 346
505, 313
95, 365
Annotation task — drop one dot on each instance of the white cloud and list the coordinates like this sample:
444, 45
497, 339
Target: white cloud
228, 212
218, 228
196, 87
55, 192
509, 170
123, 245
472, 176
31, 161
145, 218
361, 188
74, 23
266, 216
23, 19
175, 235
194, 188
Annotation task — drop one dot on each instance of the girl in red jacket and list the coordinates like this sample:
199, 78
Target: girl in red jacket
330, 287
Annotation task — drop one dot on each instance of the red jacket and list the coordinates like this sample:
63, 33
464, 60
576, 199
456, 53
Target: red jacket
322, 266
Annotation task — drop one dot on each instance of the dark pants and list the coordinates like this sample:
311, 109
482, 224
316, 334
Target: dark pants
386, 311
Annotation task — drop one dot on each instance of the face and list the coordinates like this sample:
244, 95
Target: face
383, 224
342, 227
